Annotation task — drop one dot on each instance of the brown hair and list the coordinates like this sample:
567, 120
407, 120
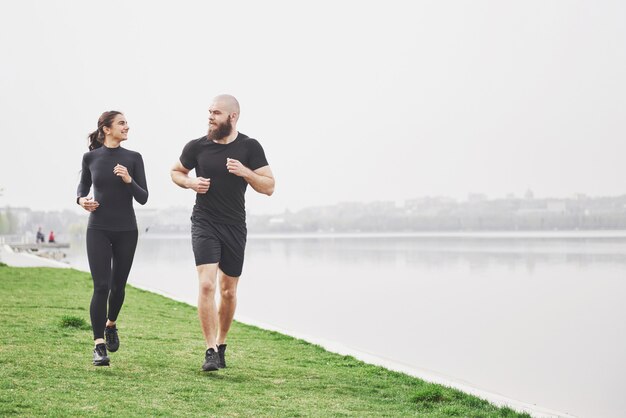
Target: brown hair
96, 138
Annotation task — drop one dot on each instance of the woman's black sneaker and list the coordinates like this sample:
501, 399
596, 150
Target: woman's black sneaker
111, 338
211, 360
100, 357
221, 352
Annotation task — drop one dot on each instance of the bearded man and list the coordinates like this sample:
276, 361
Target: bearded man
226, 162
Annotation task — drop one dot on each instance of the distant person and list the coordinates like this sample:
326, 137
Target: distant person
117, 176
225, 161
51, 237
40, 237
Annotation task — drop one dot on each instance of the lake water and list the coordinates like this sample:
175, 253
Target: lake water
539, 318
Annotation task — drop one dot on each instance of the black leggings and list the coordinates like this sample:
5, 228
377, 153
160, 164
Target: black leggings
110, 255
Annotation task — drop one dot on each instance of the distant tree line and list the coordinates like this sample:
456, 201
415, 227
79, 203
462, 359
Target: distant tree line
8, 223
424, 214
24, 221
441, 214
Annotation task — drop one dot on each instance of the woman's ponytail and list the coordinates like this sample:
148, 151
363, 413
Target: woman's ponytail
96, 139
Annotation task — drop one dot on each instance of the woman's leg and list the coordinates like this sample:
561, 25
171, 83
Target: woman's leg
124, 246
99, 255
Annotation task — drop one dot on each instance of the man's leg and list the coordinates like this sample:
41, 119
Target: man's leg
207, 310
228, 303
207, 253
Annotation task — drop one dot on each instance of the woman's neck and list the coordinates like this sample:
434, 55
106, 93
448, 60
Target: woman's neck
111, 143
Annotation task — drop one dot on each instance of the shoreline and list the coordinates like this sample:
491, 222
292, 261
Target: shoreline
16, 259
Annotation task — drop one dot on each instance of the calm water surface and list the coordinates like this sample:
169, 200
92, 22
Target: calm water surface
540, 319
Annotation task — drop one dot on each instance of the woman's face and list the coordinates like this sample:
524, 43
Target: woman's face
119, 128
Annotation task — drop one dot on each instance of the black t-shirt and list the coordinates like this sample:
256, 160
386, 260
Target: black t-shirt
224, 202
115, 212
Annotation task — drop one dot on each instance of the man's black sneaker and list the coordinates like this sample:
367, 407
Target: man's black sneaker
221, 351
111, 338
211, 360
100, 357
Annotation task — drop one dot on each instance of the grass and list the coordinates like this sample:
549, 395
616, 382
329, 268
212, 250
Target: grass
45, 364
73, 321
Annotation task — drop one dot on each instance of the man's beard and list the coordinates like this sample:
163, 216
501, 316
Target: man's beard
221, 131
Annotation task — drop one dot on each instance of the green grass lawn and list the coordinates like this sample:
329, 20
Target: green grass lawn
45, 364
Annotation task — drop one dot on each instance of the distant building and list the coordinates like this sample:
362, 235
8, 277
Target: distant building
556, 206
529, 195
476, 197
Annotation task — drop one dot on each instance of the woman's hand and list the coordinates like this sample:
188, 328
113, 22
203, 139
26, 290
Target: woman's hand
122, 172
88, 204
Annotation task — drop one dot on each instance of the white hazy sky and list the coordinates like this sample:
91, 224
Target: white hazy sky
352, 100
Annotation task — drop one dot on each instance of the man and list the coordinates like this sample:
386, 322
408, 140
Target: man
225, 161
40, 237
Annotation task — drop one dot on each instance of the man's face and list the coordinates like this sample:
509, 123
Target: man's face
220, 125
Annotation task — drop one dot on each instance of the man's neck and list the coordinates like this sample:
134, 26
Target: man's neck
227, 140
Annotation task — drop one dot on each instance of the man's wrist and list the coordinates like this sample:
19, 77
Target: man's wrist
78, 200
247, 173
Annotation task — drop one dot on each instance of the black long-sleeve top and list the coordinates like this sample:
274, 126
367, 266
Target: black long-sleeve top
115, 212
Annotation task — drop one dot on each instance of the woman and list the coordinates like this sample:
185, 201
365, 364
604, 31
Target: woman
117, 176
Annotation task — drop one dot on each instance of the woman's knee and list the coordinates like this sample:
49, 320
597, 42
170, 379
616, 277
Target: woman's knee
101, 289
118, 290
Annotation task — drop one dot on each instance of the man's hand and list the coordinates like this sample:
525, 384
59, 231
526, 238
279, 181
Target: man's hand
261, 179
235, 167
180, 176
199, 184
88, 204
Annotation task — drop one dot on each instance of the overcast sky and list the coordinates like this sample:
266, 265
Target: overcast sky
352, 100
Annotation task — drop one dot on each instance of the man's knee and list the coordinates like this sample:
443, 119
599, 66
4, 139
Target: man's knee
228, 286
229, 294
207, 274
207, 287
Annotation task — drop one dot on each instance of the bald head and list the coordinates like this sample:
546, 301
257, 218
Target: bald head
223, 117
227, 103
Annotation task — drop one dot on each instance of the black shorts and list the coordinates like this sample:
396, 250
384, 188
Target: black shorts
218, 243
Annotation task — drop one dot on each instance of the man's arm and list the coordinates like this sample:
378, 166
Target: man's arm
261, 179
180, 176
